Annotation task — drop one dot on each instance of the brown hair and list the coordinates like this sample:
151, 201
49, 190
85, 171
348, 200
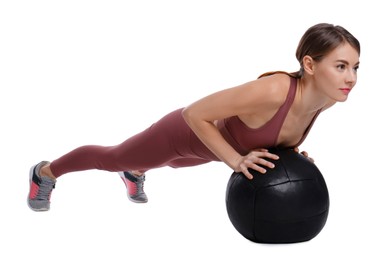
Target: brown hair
318, 41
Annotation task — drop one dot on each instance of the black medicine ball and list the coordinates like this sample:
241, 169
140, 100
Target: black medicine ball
288, 204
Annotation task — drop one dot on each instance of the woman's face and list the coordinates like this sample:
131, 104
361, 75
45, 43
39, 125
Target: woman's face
336, 73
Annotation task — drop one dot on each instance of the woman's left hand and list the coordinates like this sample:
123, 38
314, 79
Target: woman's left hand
304, 154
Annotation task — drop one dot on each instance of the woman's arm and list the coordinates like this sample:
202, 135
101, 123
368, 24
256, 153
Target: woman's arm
253, 98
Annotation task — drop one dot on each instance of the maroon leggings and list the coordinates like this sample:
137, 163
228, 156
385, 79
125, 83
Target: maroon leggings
168, 142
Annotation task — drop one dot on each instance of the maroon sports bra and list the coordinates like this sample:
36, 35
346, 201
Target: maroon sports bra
245, 139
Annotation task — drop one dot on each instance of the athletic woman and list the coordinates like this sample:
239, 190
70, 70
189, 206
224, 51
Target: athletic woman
235, 125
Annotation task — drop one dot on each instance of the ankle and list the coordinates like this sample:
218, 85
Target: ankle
46, 172
137, 173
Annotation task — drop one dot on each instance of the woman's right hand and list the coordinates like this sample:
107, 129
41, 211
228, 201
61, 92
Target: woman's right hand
255, 160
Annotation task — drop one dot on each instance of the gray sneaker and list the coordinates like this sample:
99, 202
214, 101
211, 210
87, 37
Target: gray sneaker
134, 186
40, 189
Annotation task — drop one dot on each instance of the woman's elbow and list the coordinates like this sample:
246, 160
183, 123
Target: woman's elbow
192, 116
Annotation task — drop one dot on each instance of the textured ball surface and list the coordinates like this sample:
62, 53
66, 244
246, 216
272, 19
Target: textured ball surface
288, 204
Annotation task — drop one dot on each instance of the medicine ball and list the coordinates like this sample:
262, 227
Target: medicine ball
287, 204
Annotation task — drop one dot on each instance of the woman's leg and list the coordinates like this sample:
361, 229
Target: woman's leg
149, 149
166, 143
146, 150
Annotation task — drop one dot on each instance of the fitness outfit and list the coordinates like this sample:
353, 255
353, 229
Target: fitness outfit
171, 142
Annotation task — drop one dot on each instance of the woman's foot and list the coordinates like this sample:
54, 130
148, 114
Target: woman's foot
134, 186
41, 186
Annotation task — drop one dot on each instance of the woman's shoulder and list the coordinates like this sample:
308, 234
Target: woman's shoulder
276, 80
276, 86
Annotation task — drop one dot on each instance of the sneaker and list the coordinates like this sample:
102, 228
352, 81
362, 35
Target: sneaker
135, 187
40, 189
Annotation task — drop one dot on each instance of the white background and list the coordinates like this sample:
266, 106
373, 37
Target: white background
96, 72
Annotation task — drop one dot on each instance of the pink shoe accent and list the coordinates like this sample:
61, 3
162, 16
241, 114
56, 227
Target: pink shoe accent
34, 190
132, 188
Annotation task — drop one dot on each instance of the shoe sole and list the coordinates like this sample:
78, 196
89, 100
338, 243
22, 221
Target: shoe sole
127, 193
28, 196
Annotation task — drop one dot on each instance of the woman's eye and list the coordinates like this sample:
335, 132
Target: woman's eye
341, 66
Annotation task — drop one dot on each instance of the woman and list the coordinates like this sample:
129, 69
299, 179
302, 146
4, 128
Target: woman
235, 125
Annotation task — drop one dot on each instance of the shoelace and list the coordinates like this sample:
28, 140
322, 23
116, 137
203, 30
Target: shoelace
140, 184
45, 188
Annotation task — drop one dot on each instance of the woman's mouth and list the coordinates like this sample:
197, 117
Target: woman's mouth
345, 90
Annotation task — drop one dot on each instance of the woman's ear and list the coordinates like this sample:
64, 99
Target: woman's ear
308, 63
